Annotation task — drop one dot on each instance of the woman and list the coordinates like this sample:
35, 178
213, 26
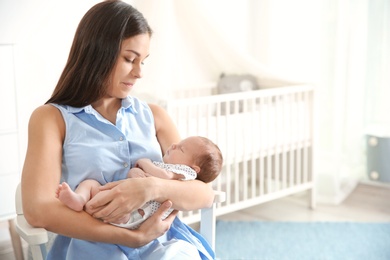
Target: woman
91, 128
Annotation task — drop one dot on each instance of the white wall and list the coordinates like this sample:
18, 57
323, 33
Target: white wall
42, 32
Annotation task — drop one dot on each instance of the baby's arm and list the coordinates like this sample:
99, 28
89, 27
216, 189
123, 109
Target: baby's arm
152, 170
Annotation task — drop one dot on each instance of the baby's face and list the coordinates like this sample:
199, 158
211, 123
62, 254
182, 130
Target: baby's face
183, 152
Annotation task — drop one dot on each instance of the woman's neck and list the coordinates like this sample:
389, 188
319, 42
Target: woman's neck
108, 108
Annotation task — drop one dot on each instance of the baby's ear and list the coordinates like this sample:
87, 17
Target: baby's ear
196, 168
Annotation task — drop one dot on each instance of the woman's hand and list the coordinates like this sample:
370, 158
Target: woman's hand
120, 198
155, 226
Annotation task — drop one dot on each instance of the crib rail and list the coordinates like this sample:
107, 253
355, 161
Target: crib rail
266, 138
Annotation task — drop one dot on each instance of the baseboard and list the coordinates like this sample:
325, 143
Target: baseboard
376, 183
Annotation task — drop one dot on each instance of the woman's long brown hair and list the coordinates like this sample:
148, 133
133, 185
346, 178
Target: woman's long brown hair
94, 51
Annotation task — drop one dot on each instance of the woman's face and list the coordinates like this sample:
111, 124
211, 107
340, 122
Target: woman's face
128, 67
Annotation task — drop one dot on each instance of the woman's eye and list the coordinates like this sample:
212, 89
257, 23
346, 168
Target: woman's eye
133, 60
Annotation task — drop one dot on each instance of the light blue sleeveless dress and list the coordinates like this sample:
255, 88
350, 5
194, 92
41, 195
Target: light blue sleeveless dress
94, 148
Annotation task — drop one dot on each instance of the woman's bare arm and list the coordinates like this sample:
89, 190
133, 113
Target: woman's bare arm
41, 176
166, 130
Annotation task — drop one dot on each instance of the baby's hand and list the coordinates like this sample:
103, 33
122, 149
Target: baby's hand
142, 162
136, 173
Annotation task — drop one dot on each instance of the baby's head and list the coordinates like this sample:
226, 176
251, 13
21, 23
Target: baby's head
209, 159
199, 153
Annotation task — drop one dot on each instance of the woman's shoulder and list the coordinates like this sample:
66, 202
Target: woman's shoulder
46, 115
46, 126
157, 110
45, 110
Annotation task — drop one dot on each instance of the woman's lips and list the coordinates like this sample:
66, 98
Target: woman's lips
128, 84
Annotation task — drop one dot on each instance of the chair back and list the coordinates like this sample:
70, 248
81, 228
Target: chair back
18, 200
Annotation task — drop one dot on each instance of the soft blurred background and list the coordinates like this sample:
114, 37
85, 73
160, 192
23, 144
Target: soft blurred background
340, 46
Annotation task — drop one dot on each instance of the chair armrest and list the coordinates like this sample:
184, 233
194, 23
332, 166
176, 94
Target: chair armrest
208, 218
219, 196
36, 238
32, 235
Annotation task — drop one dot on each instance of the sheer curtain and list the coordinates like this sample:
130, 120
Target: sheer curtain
378, 76
340, 46
341, 160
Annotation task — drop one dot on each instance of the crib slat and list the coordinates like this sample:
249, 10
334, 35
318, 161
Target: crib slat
261, 151
228, 152
253, 158
278, 130
284, 148
291, 145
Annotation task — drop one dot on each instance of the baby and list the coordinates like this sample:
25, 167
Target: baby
195, 157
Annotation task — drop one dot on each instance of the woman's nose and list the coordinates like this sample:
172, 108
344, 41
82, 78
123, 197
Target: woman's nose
136, 71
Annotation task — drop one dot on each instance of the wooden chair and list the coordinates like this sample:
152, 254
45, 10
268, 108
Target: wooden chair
37, 238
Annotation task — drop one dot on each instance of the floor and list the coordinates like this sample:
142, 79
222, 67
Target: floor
367, 203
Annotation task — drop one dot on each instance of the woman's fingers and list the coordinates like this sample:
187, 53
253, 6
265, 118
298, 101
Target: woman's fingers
106, 194
103, 206
118, 199
171, 216
110, 185
159, 214
163, 208
155, 226
99, 201
109, 205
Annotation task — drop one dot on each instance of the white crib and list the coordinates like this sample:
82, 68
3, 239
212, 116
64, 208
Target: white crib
266, 138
